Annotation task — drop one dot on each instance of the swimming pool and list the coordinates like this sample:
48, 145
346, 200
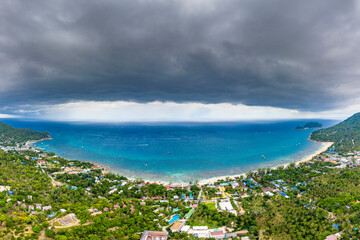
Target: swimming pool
174, 218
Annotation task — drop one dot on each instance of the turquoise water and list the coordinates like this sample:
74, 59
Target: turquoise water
174, 218
178, 152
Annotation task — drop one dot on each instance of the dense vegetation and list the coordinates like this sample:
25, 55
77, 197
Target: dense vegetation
11, 134
345, 135
310, 125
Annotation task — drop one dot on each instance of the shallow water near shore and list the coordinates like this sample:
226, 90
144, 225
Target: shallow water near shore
178, 152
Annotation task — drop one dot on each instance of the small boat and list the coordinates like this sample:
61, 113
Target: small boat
262, 156
145, 165
169, 152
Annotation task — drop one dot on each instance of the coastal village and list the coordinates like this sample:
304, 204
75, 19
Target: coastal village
176, 209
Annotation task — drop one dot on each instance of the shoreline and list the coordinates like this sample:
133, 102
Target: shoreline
108, 168
323, 148
30, 142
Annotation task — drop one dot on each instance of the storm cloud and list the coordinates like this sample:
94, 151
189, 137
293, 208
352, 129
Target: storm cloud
289, 54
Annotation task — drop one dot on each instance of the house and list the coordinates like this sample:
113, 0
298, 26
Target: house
217, 235
46, 208
38, 206
31, 207
334, 236
154, 235
4, 188
106, 209
96, 213
62, 210
96, 167
116, 206
176, 227
242, 232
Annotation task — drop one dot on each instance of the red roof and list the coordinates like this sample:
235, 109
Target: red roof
217, 233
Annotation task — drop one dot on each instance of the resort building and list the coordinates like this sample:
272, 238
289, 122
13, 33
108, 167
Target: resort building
154, 235
185, 229
217, 235
176, 227
225, 205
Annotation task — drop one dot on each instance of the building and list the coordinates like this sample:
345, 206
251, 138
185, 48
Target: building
4, 188
96, 213
185, 229
200, 232
176, 227
217, 235
46, 208
154, 235
242, 232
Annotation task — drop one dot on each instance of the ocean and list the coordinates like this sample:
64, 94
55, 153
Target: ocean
178, 152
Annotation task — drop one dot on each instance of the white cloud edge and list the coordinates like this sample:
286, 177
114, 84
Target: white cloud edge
8, 116
122, 111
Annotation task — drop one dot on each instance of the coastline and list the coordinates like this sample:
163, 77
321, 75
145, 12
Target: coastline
323, 148
108, 168
30, 142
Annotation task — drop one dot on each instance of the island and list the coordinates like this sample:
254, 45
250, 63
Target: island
310, 125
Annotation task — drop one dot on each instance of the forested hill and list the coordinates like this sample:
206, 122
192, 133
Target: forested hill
345, 135
9, 133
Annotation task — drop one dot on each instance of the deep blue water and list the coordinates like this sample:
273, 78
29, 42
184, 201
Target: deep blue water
178, 151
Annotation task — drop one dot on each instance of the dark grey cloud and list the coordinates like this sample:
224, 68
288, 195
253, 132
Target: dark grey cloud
292, 54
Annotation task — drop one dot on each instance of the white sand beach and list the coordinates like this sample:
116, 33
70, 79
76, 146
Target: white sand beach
323, 148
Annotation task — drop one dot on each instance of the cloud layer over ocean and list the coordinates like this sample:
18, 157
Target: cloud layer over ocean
287, 54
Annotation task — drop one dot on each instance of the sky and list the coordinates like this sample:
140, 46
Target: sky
186, 60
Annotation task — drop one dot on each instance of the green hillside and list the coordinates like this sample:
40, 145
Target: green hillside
9, 133
345, 135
